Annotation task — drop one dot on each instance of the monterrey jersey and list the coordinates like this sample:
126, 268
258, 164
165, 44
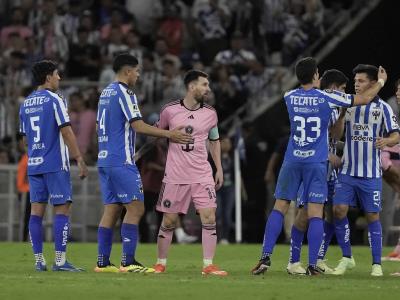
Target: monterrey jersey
309, 114
42, 115
188, 163
117, 110
363, 125
332, 175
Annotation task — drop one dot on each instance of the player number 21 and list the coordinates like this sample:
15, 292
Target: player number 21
315, 124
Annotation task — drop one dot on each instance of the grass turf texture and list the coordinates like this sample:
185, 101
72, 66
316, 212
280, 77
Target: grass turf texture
183, 279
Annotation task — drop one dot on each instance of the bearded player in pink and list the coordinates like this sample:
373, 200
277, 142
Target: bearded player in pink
188, 174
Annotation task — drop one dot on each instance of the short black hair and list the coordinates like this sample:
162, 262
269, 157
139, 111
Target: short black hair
370, 70
124, 59
331, 77
193, 75
396, 84
41, 69
305, 69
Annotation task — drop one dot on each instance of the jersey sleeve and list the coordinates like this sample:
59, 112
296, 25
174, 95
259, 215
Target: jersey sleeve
338, 99
334, 117
60, 111
21, 122
163, 122
129, 106
389, 119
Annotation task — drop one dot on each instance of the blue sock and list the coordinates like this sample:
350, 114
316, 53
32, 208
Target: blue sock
314, 236
342, 230
375, 241
296, 240
104, 238
61, 232
273, 229
129, 233
329, 230
36, 233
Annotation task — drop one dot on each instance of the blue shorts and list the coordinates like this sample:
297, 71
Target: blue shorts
313, 177
120, 184
301, 199
368, 191
55, 187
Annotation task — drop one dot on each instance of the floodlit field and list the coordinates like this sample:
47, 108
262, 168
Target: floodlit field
183, 279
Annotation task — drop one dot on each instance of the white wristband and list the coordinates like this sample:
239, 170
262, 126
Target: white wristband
381, 82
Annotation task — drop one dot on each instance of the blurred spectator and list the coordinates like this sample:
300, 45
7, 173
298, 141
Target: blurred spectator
33, 52
133, 42
23, 187
146, 13
53, 43
161, 54
15, 43
116, 21
150, 85
86, 22
17, 26
313, 19
18, 77
4, 156
173, 87
115, 46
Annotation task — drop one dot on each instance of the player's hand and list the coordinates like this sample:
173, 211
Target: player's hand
219, 179
382, 74
83, 170
177, 136
335, 161
381, 143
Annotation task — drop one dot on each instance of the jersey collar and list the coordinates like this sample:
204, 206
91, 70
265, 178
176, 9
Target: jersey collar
183, 104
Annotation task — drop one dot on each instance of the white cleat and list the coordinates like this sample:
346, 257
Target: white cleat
345, 264
376, 270
321, 263
296, 269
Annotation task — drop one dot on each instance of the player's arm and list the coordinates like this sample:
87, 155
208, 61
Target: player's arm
391, 140
271, 167
337, 129
391, 126
175, 135
215, 151
369, 94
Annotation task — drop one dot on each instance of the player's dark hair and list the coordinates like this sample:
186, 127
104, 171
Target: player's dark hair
370, 70
41, 69
332, 77
124, 59
305, 69
396, 84
193, 75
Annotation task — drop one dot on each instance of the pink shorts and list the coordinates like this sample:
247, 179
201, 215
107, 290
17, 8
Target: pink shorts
175, 198
386, 162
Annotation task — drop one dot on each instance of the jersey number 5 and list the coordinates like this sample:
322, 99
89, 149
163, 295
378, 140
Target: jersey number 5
35, 127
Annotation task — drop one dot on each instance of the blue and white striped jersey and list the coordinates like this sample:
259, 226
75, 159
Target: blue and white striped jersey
363, 125
41, 116
117, 109
332, 174
310, 114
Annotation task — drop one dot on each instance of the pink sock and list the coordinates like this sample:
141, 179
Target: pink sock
209, 240
164, 241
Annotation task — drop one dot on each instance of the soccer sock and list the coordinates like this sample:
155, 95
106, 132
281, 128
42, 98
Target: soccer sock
273, 229
61, 231
36, 236
104, 238
129, 234
375, 241
296, 240
209, 242
164, 240
342, 230
314, 236
329, 230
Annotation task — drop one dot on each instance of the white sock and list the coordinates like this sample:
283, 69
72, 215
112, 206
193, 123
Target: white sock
162, 261
207, 262
60, 258
39, 258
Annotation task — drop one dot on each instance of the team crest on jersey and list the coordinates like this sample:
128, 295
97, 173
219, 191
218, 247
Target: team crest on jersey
189, 129
376, 113
167, 203
394, 118
328, 91
130, 92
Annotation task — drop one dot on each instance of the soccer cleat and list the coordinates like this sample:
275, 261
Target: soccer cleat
107, 269
314, 271
321, 264
395, 274
392, 256
187, 239
213, 270
345, 263
296, 269
136, 267
40, 267
262, 266
376, 270
67, 267
159, 268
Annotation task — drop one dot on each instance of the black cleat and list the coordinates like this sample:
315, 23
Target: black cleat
262, 266
314, 271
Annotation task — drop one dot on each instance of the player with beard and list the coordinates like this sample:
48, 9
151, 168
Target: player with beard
188, 174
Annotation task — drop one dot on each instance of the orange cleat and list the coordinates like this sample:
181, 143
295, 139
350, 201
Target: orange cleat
159, 268
213, 270
392, 256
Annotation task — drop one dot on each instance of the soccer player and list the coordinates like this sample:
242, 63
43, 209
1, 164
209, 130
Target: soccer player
306, 156
118, 121
332, 80
361, 173
188, 175
44, 122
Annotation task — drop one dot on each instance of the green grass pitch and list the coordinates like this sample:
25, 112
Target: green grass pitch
183, 279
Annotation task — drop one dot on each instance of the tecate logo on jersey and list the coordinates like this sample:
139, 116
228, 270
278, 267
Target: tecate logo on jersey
103, 154
35, 161
361, 138
303, 154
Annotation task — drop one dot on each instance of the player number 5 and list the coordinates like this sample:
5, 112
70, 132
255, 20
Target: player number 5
35, 127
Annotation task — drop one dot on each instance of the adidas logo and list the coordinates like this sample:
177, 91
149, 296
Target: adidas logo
191, 117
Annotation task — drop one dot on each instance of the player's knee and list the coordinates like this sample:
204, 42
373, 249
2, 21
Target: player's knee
169, 223
372, 217
301, 221
340, 211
